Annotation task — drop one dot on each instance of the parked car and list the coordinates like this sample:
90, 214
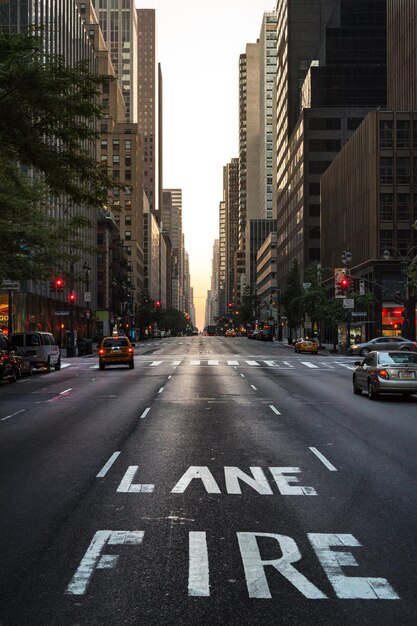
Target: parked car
40, 346
23, 363
306, 345
8, 366
115, 350
382, 343
265, 335
252, 333
393, 371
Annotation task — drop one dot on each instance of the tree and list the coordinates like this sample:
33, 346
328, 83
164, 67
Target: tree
292, 300
249, 305
48, 115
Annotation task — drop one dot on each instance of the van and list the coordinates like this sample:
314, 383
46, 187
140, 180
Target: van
40, 347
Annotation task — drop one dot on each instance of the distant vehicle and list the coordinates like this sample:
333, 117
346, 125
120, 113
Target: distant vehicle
265, 335
156, 334
210, 331
393, 371
253, 333
306, 345
230, 332
115, 350
382, 343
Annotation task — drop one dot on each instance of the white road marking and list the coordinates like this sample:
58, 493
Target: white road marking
349, 367
212, 362
62, 393
288, 363
252, 362
145, 413
108, 465
254, 388
271, 406
161, 390
232, 362
308, 364
198, 569
155, 363
243, 375
169, 377
271, 363
176, 362
195, 362
3, 419
323, 459
126, 485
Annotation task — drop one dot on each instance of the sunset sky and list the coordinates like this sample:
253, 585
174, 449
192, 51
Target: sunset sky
199, 44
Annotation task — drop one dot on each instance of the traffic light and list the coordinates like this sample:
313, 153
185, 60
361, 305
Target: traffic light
230, 305
59, 284
157, 304
345, 284
71, 297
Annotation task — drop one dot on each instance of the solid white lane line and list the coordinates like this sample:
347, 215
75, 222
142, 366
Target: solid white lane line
108, 465
232, 362
323, 459
271, 406
145, 413
254, 388
161, 390
155, 363
252, 362
62, 393
308, 364
12, 415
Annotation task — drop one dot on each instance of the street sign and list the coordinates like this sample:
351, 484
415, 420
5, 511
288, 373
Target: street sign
87, 296
306, 285
359, 313
61, 313
10, 285
361, 287
348, 303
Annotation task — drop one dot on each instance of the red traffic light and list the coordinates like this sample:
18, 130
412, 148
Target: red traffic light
157, 304
59, 283
72, 297
344, 283
230, 305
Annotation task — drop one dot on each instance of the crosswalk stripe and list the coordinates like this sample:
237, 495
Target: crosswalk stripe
155, 363
195, 362
252, 362
176, 362
308, 364
288, 363
271, 363
213, 362
232, 362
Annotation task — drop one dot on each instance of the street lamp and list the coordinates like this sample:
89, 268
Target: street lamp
409, 306
346, 258
87, 296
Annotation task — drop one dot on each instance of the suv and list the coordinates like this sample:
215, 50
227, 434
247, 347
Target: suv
8, 366
40, 347
115, 350
382, 343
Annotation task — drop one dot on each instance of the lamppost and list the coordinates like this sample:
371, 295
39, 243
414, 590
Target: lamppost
87, 297
408, 302
346, 258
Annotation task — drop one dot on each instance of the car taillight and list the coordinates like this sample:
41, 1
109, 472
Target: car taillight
101, 351
130, 349
383, 374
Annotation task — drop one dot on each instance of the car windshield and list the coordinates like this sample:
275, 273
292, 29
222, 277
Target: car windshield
115, 343
390, 358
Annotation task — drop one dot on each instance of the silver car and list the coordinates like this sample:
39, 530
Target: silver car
393, 371
382, 343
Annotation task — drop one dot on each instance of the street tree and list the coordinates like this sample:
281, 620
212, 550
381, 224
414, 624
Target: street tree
292, 300
48, 122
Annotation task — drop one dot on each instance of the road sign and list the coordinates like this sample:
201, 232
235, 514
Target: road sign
348, 303
61, 313
10, 285
87, 296
306, 285
359, 313
361, 287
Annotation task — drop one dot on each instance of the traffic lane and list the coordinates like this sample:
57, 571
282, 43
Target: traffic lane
370, 445
51, 453
191, 543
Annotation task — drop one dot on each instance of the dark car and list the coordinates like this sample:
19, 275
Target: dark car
382, 343
23, 362
393, 371
253, 333
8, 366
265, 335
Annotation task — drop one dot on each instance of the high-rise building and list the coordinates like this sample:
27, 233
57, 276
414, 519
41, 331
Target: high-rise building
150, 107
118, 23
402, 54
171, 222
231, 199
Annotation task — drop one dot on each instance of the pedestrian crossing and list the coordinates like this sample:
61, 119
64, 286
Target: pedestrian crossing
259, 363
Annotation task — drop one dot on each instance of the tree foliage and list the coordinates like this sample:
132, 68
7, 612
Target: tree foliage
291, 299
48, 115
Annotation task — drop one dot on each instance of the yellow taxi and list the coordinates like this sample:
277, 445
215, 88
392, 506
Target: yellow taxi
306, 345
115, 350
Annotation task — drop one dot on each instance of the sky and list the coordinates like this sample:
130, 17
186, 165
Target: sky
198, 46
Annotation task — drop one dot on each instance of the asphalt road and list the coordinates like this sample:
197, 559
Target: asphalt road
222, 481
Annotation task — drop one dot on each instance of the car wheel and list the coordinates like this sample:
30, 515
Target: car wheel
364, 352
101, 366
372, 393
57, 366
356, 390
13, 377
405, 349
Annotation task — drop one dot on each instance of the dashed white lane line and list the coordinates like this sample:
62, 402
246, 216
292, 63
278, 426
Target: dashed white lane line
145, 413
308, 364
271, 406
323, 459
254, 388
243, 375
161, 390
108, 465
63, 393
3, 419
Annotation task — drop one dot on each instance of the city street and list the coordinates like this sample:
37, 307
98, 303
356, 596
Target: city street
221, 481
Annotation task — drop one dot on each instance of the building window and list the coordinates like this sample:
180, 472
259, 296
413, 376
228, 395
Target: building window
354, 122
318, 167
386, 206
128, 220
386, 239
403, 171
128, 235
386, 134
314, 189
314, 210
116, 144
386, 171
403, 134
128, 144
314, 232
103, 144
403, 207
